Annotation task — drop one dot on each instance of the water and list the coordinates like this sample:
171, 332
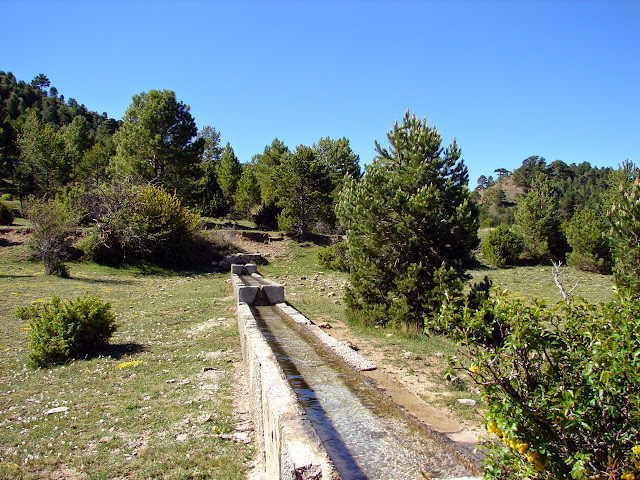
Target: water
365, 435
253, 281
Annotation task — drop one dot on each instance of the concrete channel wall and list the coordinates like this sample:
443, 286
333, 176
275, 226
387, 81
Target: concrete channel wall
284, 433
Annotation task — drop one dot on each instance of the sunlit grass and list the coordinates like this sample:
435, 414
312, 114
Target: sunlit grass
143, 409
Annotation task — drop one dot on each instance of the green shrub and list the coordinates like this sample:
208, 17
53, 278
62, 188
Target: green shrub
6, 197
164, 228
334, 257
591, 251
562, 387
6, 215
135, 224
502, 247
60, 330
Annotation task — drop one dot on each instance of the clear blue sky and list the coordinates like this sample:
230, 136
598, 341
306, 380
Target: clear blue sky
507, 79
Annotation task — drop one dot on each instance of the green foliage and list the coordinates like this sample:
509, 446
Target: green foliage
18, 101
303, 192
210, 200
139, 224
539, 225
410, 227
157, 142
334, 257
266, 165
502, 247
44, 162
60, 330
228, 172
625, 237
247, 193
164, 226
586, 234
339, 158
6, 215
562, 386
54, 221
267, 216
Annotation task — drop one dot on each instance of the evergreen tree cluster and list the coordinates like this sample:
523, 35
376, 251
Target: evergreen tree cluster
18, 99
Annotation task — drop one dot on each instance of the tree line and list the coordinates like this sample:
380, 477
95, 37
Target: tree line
47, 144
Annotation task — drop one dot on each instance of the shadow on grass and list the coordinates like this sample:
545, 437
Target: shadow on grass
18, 276
119, 350
103, 280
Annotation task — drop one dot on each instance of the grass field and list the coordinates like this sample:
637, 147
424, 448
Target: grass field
145, 409
160, 402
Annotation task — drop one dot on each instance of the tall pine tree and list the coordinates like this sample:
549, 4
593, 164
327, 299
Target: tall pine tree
411, 226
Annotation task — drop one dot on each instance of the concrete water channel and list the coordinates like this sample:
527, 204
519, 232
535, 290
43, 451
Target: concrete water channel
315, 416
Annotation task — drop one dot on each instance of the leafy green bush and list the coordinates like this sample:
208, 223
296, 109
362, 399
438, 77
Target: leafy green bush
586, 236
60, 330
6, 197
164, 228
6, 215
502, 247
139, 224
562, 386
334, 257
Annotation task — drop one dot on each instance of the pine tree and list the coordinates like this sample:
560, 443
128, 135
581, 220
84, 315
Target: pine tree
410, 225
539, 224
303, 192
228, 171
247, 193
625, 230
590, 246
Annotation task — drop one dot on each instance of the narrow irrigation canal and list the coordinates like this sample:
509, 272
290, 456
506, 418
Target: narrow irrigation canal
365, 435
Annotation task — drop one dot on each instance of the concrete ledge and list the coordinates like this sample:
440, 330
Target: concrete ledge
272, 292
346, 353
292, 449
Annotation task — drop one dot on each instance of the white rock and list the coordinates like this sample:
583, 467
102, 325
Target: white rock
57, 410
467, 401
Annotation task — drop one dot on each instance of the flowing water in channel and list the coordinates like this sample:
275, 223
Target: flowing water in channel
365, 435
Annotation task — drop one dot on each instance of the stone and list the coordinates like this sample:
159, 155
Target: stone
57, 410
324, 325
467, 401
331, 294
183, 437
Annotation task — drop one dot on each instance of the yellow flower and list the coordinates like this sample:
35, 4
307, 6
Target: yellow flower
474, 369
533, 456
492, 427
133, 363
628, 476
636, 449
522, 448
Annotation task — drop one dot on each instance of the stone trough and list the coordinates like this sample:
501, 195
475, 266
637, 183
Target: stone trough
292, 449
286, 436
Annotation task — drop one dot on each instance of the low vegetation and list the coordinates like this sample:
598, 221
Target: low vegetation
62, 330
156, 402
